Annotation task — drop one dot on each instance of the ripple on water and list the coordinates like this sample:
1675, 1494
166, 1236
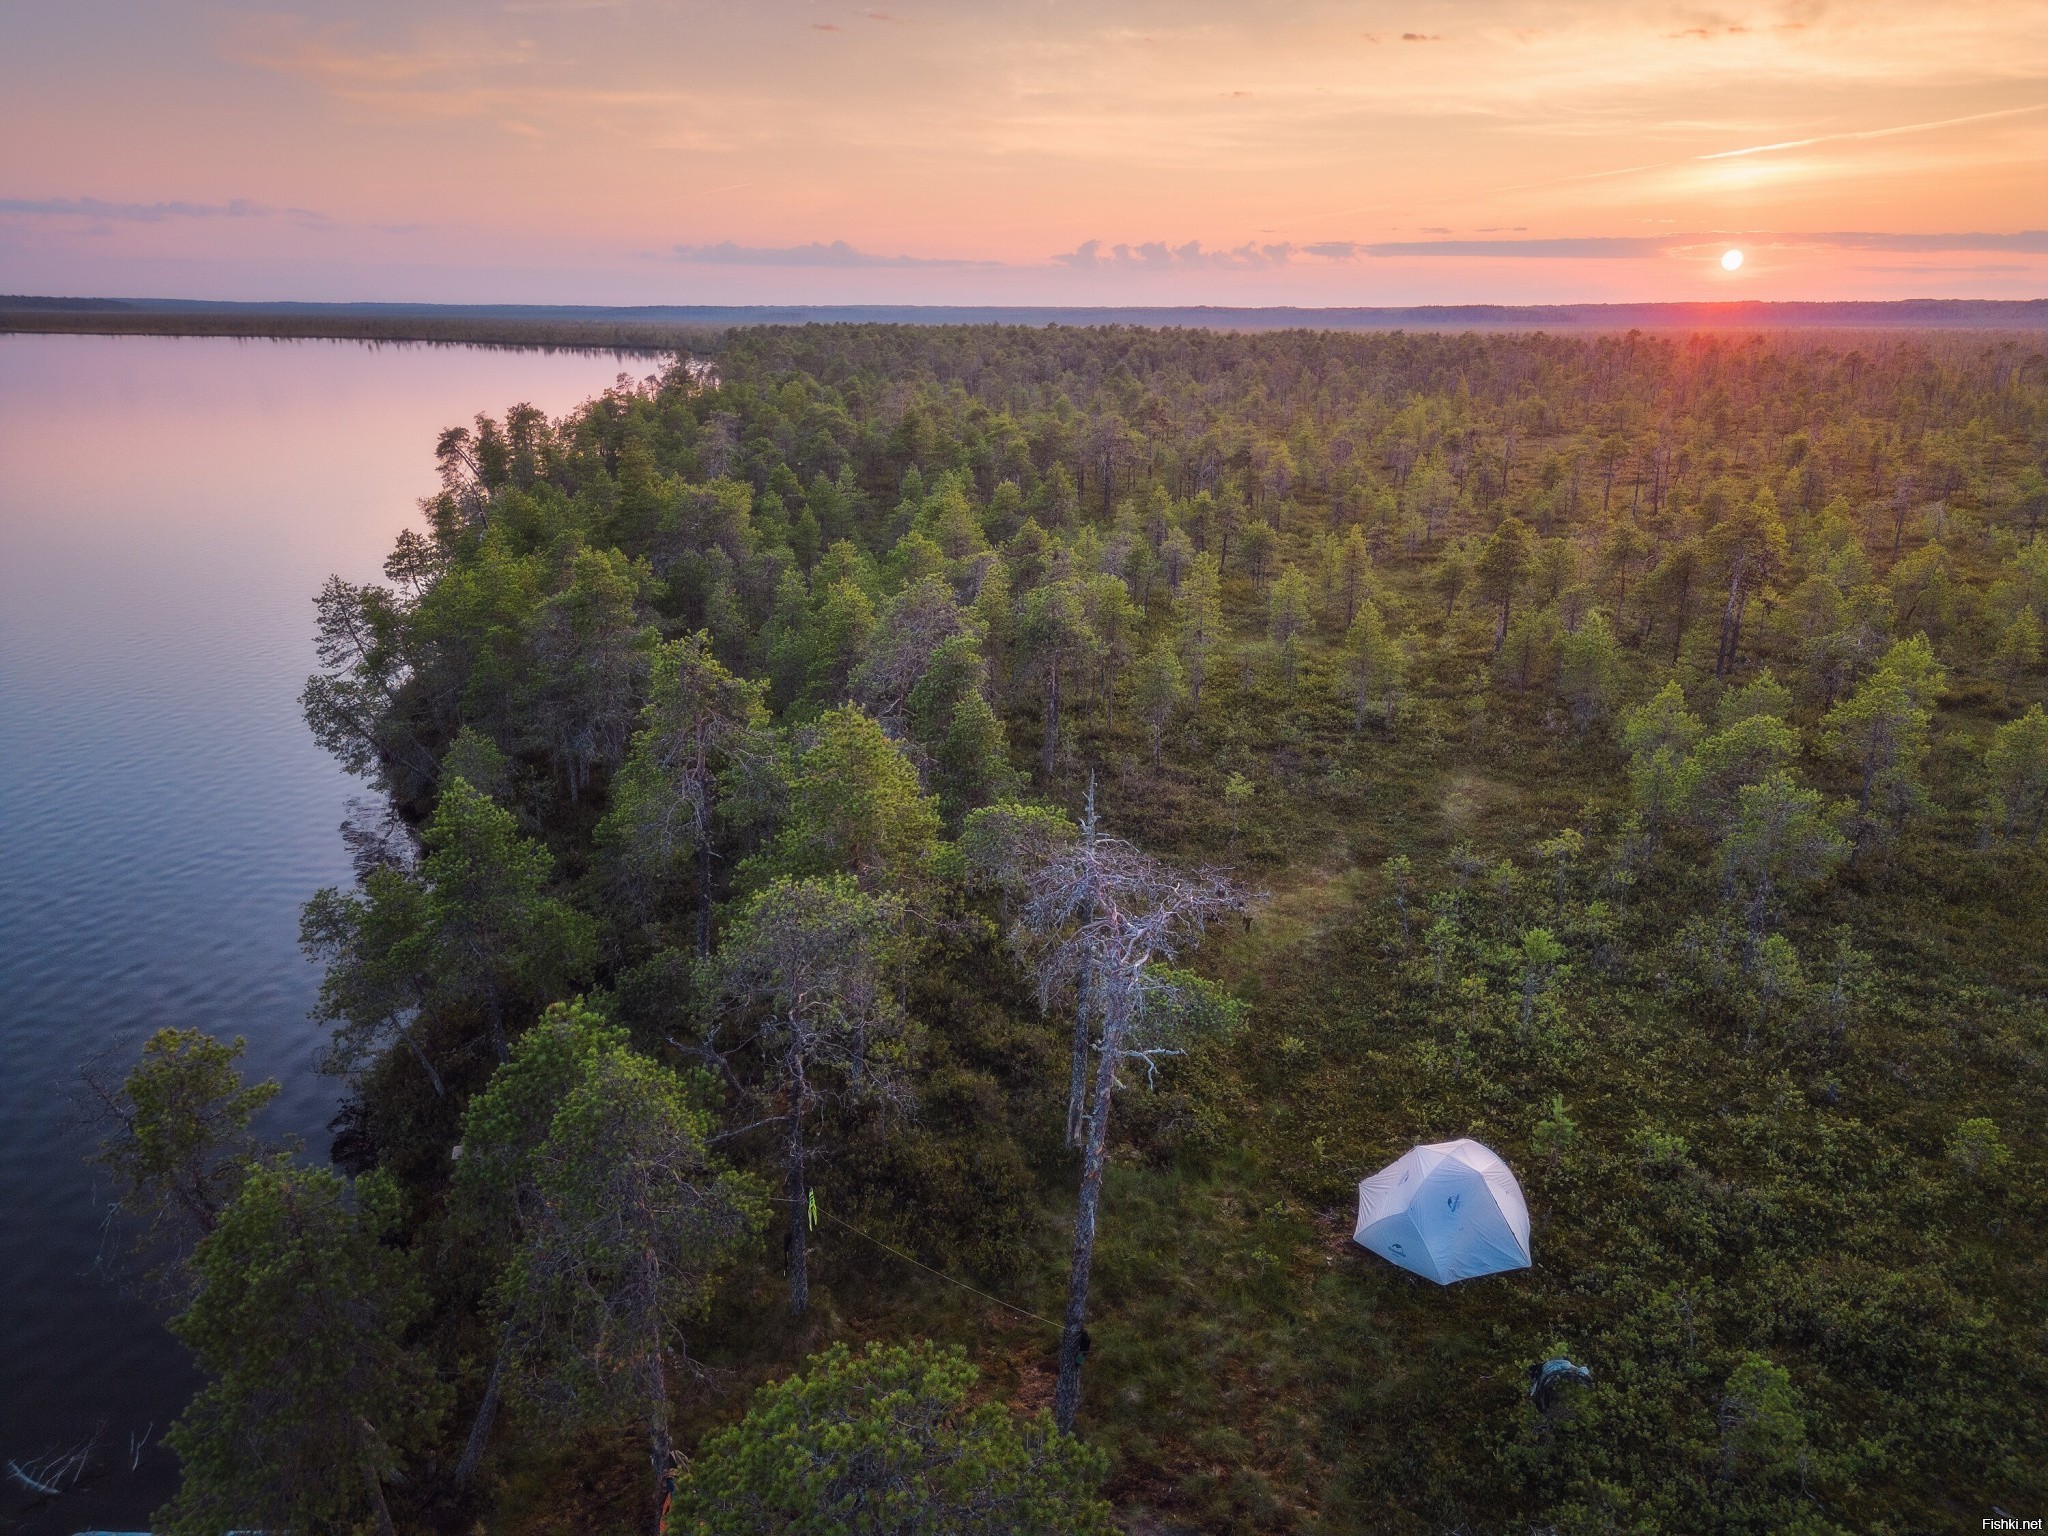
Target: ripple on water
167, 511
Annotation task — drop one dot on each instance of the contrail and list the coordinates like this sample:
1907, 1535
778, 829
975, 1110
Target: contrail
1872, 133
1765, 149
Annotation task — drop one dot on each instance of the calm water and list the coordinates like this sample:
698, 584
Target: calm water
167, 510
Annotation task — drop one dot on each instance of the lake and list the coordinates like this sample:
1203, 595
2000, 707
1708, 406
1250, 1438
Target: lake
168, 508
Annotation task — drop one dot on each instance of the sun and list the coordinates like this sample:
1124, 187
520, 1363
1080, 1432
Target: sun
1731, 260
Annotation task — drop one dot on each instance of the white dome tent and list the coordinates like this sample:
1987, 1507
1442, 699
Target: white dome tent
1449, 1211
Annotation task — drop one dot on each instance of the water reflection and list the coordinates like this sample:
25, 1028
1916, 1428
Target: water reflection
167, 510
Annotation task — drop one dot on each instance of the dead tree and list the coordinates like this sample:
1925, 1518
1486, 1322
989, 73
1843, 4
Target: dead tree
1100, 924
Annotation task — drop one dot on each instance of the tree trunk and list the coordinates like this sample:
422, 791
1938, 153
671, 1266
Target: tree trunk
704, 879
1863, 809
1759, 916
1052, 722
1731, 626
1679, 619
365, 1438
486, 1416
1077, 1081
799, 1211
1066, 1402
497, 1017
659, 1440
432, 1076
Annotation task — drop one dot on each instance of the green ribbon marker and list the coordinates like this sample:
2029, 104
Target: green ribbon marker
814, 1210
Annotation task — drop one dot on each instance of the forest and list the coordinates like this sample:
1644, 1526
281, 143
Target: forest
906, 873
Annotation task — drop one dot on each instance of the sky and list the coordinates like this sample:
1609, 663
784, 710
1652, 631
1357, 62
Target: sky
1038, 152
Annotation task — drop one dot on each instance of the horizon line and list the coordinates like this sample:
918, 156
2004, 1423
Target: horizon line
657, 325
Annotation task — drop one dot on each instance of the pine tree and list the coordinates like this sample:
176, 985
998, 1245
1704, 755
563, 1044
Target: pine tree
889, 1442
2016, 766
2019, 651
1502, 566
1375, 667
854, 806
1881, 732
701, 728
1156, 691
312, 1399
1055, 642
178, 1143
802, 980
1590, 673
1659, 737
473, 929
1751, 545
628, 1225
1780, 839
1287, 617
1200, 618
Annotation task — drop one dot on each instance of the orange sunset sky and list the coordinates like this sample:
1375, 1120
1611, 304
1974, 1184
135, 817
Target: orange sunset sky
946, 151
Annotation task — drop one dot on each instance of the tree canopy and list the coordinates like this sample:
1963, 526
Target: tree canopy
848, 762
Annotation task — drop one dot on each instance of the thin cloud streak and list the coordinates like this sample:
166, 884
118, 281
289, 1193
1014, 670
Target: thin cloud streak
151, 213
1583, 248
1874, 133
1160, 255
1784, 144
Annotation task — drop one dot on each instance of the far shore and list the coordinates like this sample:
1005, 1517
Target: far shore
658, 329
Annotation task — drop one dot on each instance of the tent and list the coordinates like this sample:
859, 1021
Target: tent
1448, 1211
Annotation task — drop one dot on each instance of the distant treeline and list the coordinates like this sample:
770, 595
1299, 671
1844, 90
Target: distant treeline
104, 318
665, 328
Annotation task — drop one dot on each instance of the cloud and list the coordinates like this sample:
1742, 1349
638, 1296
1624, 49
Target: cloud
816, 254
1947, 269
151, 213
1638, 247
1576, 248
1421, 37
2032, 242
1158, 256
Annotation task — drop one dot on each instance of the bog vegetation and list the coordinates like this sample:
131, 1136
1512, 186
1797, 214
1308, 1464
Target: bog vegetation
917, 868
